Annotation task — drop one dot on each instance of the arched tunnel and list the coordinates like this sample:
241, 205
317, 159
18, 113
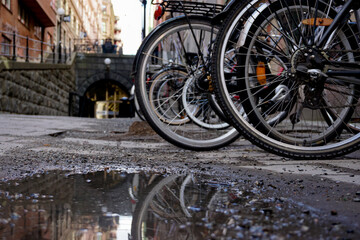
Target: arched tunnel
103, 91
106, 99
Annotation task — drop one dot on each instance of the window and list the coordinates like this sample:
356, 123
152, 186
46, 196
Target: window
74, 24
49, 38
7, 3
53, 4
49, 41
103, 27
37, 31
5, 46
23, 15
64, 4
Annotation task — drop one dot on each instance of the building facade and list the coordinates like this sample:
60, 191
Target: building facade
31, 30
80, 25
108, 20
86, 24
26, 22
117, 35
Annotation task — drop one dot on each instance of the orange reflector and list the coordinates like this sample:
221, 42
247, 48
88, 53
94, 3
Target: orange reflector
319, 21
260, 73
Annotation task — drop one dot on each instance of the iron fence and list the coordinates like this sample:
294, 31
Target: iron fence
87, 45
19, 48
22, 48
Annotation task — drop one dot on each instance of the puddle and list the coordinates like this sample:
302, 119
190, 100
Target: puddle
120, 205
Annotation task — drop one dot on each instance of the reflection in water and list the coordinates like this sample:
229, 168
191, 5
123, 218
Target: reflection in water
59, 206
118, 205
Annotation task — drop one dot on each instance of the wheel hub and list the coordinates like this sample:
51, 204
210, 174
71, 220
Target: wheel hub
202, 81
304, 59
307, 66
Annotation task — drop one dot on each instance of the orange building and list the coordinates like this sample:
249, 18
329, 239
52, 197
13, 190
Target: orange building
20, 19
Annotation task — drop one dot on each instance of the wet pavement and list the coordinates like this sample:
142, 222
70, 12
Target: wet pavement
121, 205
76, 178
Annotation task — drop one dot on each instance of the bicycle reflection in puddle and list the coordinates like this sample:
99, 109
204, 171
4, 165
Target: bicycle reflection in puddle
145, 205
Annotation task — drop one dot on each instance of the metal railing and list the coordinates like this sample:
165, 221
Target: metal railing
94, 46
24, 49
87, 46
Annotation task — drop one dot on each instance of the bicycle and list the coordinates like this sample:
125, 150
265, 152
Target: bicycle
297, 77
172, 56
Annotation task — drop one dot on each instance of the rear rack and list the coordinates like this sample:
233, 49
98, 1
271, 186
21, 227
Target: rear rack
193, 8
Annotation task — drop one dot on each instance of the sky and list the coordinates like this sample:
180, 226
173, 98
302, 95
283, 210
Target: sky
131, 17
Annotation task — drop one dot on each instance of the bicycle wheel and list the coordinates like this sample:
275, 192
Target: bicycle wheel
165, 90
164, 209
292, 108
138, 110
168, 58
198, 108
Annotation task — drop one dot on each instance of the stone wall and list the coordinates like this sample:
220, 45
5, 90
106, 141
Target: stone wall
38, 89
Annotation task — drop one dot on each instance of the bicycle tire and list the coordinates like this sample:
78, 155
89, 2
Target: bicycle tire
189, 135
144, 206
198, 108
138, 110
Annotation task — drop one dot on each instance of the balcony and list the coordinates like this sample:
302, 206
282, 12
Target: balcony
43, 11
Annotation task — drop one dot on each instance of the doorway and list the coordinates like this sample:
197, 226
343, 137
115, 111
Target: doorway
106, 99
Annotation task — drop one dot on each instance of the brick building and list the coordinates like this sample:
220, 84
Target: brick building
39, 21
28, 18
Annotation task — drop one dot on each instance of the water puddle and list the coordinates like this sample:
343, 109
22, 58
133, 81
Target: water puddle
120, 205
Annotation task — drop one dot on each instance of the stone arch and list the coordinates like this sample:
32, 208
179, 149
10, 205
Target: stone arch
117, 77
117, 87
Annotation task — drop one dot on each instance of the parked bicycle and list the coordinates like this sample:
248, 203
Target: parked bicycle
174, 207
173, 82
296, 86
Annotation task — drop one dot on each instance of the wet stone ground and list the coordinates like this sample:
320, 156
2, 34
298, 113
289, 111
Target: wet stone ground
74, 178
131, 205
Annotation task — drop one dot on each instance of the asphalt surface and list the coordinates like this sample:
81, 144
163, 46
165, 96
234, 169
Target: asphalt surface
36, 144
130, 139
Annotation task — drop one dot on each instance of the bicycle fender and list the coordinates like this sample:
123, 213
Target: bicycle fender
224, 13
250, 20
